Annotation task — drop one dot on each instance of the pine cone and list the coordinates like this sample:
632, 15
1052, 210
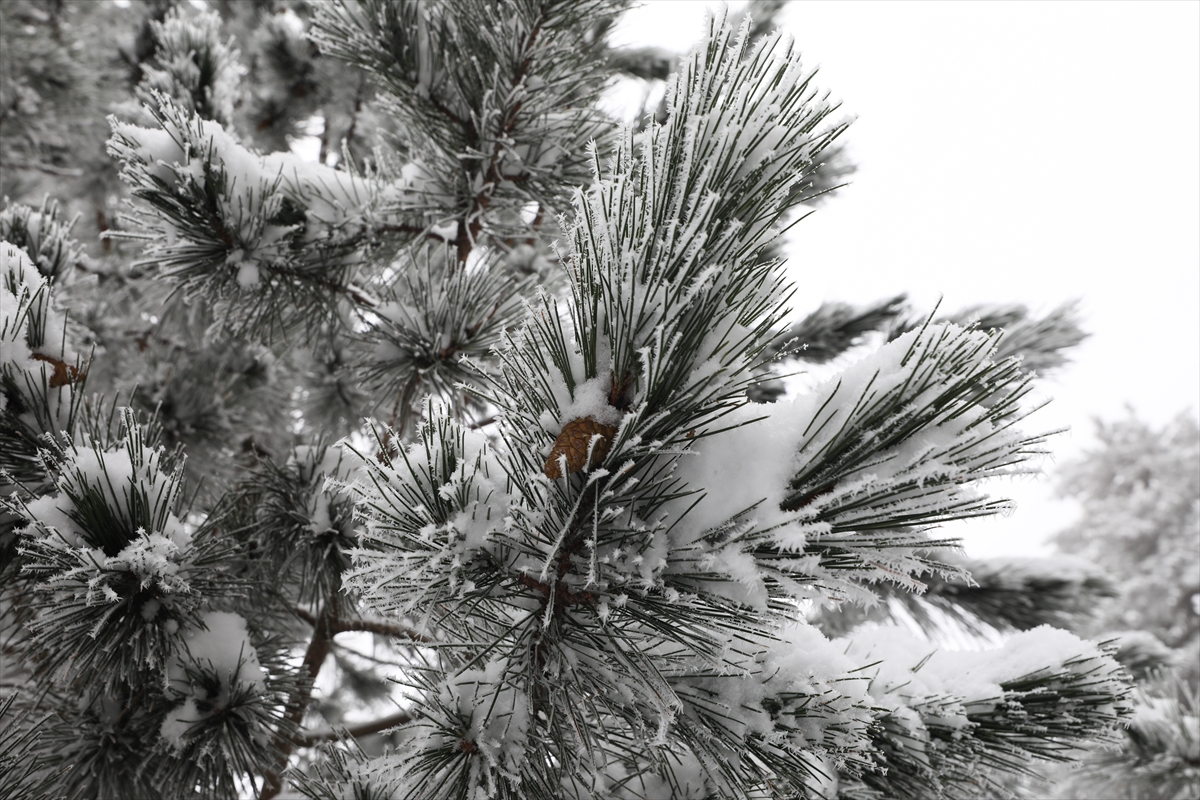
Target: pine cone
573, 443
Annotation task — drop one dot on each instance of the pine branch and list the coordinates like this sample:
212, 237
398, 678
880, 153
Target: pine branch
192, 66
833, 329
435, 329
44, 235
1021, 593
268, 239
25, 775
383, 628
508, 138
314, 657
118, 572
356, 731
664, 345
954, 713
1042, 342
995, 595
1160, 756
470, 225
894, 444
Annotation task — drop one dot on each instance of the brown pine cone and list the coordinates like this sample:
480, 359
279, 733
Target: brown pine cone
573, 443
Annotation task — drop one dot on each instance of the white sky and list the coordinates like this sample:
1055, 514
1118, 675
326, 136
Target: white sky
1014, 152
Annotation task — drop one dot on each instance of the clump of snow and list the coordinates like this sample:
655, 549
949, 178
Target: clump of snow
427, 512
590, 399
153, 557
494, 715
247, 271
30, 326
116, 476
197, 158
915, 673
804, 665
743, 468
157, 150
221, 649
49, 516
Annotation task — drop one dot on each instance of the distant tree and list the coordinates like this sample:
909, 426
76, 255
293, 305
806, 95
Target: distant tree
1140, 492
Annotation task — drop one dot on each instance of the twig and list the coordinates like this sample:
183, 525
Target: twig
314, 657
482, 423
353, 732
336, 625
380, 627
470, 225
304, 615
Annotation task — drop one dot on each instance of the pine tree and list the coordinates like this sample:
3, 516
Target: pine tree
1140, 491
588, 564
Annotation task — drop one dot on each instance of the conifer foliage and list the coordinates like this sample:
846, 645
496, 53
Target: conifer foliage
483, 395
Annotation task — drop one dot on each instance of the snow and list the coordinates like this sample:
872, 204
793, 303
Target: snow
590, 399
178, 38
51, 519
224, 643
804, 665
806, 660
1164, 721
687, 782
912, 672
157, 149
423, 520
29, 323
187, 152
47, 237
919, 461
247, 275
744, 468
222, 649
178, 721
117, 473
153, 557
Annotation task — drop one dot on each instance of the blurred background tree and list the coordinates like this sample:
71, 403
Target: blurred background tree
1139, 487
1140, 492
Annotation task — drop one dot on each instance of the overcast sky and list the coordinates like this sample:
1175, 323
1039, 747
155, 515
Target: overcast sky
1014, 152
